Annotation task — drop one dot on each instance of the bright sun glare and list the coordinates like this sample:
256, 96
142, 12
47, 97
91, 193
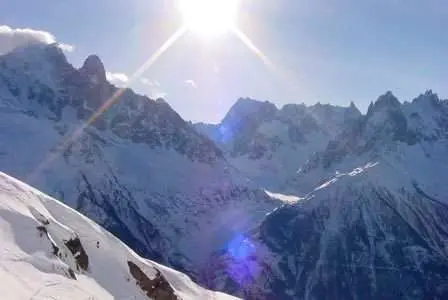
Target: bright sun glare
209, 18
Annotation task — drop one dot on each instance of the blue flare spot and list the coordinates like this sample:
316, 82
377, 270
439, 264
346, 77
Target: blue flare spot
243, 267
240, 247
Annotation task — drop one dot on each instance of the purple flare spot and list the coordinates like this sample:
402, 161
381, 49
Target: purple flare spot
242, 266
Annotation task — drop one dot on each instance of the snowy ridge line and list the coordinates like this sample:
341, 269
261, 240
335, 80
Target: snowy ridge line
79, 260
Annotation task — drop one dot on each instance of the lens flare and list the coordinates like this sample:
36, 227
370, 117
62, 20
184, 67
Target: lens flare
243, 266
209, 18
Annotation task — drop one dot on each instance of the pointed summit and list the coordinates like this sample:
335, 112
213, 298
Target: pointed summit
353, 111
247, 107
387, 102
93, 67
429, 97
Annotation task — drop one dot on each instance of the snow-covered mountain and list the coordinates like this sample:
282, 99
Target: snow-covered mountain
50, 251
268, 144
372, 220
366, 208
137, 169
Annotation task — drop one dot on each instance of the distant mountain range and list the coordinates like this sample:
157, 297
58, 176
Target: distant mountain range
302, 202
269, 145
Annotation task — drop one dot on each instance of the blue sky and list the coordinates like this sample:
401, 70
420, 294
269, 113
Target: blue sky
323, 50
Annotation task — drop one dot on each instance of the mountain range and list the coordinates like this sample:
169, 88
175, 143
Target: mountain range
301, 202
371, 220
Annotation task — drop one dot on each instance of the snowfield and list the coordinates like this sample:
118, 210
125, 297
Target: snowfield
40, 257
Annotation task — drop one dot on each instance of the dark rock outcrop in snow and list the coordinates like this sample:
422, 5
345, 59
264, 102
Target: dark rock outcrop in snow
76, 248
157, 288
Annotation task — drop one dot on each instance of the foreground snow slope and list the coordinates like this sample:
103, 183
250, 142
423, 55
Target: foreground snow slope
34, 227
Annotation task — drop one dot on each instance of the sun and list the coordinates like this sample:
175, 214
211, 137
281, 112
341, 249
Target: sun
209, 18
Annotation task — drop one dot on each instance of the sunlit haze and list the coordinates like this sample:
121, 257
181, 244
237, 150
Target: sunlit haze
209, 18
285, 51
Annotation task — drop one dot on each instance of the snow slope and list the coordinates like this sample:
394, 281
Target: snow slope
29, 269
355, 236
139, 169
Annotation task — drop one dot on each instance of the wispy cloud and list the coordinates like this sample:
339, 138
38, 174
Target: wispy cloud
149, 82
67, 47
153, 88
11, 38
191, 83
158, 94
117, 78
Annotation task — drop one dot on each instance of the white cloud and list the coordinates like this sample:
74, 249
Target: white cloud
145, 81
149, 82
11, 38
67, 47
117, 78
154, 91
158, 94
191, 83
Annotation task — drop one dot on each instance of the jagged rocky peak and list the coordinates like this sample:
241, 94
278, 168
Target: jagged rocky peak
52, 84
243, 119
353, 109
387, 125
248, 107
428, 97
322, 113
386, 120
93, 67
326, 112
249, 102
293, 110
386, 102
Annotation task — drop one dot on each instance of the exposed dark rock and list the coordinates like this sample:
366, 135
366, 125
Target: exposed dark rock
55, 249
76, 248
94, 68
157, 288
71, 273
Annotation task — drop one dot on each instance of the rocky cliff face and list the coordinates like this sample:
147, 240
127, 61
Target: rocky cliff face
269, 145
372, 222
369, 216
137, 168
